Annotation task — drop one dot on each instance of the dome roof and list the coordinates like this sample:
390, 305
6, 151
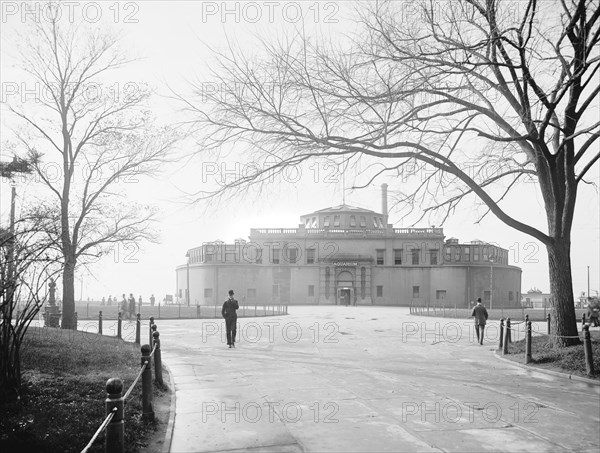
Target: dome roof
344, 216
343, 208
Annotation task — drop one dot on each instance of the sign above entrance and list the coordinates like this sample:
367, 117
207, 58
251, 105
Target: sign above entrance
345, 263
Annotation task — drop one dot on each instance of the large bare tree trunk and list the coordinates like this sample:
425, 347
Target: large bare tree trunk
68, 305
563, 322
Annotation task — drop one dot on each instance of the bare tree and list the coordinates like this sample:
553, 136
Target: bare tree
100, 133
483, 93
26, 265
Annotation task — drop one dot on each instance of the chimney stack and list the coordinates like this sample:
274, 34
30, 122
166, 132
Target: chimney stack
384, 205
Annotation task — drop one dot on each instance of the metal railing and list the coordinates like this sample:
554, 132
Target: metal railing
113, 423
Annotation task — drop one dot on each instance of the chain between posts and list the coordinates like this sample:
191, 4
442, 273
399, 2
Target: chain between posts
106, 421
587, 342
113, 422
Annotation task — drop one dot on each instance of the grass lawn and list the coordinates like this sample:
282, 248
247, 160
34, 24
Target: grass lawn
567, 360
62, 399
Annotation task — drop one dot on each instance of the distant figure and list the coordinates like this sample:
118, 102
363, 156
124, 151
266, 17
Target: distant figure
593, 312
109, 302
124, 306
131, 306
103, 301
481, 316
229, 313
152, 300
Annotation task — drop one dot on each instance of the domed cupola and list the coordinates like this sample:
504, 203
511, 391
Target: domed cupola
344, 217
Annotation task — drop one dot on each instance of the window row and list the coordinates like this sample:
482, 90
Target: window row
292, 255
476, 253
413, 254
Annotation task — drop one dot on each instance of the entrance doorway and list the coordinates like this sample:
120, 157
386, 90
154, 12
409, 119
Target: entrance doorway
344, 296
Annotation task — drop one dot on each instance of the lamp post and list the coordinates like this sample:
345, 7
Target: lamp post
491, 282
187, 286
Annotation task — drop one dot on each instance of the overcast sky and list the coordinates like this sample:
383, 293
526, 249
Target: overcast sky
169, 38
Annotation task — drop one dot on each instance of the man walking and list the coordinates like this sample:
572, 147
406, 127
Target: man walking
229, 313
481, 316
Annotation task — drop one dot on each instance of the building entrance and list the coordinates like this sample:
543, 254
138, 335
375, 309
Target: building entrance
345, 296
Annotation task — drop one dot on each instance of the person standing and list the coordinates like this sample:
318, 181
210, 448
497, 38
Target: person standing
481, 316
152, 300
229, 313
124, 306
131, 306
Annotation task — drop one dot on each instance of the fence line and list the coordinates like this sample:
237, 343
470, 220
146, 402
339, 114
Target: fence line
505, 339
106, 421
114, 442
178, 311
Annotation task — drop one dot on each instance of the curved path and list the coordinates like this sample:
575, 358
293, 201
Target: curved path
360, 379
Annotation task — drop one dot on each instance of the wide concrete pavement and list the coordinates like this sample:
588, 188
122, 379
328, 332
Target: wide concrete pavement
360, 379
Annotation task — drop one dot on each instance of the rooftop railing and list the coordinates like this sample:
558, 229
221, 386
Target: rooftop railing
344, 231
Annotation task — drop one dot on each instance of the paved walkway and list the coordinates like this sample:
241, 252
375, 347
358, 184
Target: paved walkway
360, 379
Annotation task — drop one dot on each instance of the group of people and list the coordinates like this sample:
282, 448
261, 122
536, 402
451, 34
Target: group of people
127, 301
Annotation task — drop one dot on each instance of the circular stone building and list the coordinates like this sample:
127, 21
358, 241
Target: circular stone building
348, 255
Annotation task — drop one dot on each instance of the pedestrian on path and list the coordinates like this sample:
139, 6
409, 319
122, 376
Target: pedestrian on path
229, 313
124, 306
131, 306
481, 316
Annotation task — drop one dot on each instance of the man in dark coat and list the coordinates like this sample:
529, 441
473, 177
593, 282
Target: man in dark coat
131, 306
229, 313
481, 316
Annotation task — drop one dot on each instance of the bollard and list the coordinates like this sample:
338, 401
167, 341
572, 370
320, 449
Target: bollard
548, 317
508, 330
501, 334
147, 409
119, 322
506, 337
100, 323
587, 349
582, 321
528, 343
157, 358
526, 319
150, 329
114, 441
138, 328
